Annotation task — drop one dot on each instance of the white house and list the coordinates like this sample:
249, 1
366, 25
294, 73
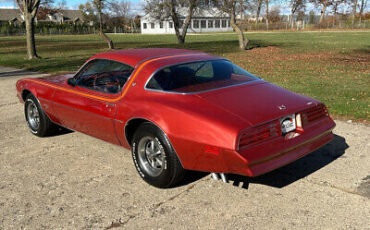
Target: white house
205, 21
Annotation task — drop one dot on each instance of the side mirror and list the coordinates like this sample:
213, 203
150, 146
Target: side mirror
72, 82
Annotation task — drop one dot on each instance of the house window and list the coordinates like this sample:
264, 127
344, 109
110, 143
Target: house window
145, 25
228, 23
224, 23
203, 24
210, 23
217, 23
196, 24
152, 25
161, 25
171, 25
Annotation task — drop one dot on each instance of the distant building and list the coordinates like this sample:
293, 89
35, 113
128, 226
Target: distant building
63, 16
205, 21
11, 16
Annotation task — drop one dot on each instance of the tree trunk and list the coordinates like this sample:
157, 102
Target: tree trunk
30, 36
243, 42
259, 6
107, 39
181, 36
362, 6
267, 14
101, 33
323, 10
188, 20
354, 13
176, 23
335, 13
292, 20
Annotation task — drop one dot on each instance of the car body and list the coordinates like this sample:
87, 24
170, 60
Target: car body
237, 128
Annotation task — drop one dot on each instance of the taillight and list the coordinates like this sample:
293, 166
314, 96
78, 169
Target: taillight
313, 114
260, 134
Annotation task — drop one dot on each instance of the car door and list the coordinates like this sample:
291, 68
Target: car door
90, 105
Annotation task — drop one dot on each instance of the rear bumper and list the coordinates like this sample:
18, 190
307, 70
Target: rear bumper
289, 155
261, 159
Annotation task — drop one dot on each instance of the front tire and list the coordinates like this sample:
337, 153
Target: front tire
154, 157
38, 123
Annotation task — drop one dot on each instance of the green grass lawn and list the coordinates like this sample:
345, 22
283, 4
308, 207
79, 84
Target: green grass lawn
333, 67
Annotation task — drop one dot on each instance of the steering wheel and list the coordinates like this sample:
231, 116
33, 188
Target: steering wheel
106, 83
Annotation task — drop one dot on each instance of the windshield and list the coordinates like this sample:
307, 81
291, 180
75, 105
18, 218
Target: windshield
199, 76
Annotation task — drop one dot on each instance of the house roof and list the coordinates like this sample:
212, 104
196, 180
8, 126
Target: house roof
71, 14
10, 14
68, 15
205, 13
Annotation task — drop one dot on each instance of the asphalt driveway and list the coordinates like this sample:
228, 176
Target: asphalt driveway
73, 181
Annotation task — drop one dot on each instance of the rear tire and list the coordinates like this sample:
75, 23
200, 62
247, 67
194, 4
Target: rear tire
38, 122
154, 158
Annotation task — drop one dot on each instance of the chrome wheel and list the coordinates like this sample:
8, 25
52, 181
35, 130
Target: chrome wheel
33, 116
151, 156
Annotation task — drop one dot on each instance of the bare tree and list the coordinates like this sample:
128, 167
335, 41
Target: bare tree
363, 6
267, 13
324, 5
119, 8
29, 10
296, 6
258, 9
231, 7
170, 9
336, 4
354, 11
100, 5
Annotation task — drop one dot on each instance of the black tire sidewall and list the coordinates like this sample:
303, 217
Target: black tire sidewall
168, 175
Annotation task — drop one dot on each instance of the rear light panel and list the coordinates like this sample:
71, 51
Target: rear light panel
272, 129
260, 134
313, 114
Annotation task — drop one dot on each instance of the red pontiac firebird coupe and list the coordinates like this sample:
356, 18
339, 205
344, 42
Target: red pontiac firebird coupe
179, 109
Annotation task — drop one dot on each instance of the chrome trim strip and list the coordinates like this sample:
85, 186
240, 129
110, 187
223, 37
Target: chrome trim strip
203, 91
167, 55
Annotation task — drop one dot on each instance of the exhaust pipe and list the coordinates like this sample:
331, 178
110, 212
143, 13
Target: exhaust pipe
224, 178
217, 176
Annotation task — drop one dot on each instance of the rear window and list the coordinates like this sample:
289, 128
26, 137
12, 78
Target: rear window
199, 76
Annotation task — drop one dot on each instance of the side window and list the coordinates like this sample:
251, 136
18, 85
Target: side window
104, 76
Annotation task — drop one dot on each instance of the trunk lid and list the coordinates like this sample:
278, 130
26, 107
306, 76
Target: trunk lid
258, 102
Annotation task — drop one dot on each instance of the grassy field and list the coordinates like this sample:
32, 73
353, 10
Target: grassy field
333, 67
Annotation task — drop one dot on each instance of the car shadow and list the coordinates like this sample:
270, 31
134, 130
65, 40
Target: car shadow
288, 174
296, 170
59, 132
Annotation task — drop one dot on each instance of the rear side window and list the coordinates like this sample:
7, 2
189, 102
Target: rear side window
199, 76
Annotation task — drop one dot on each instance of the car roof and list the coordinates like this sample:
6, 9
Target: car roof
133, 57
